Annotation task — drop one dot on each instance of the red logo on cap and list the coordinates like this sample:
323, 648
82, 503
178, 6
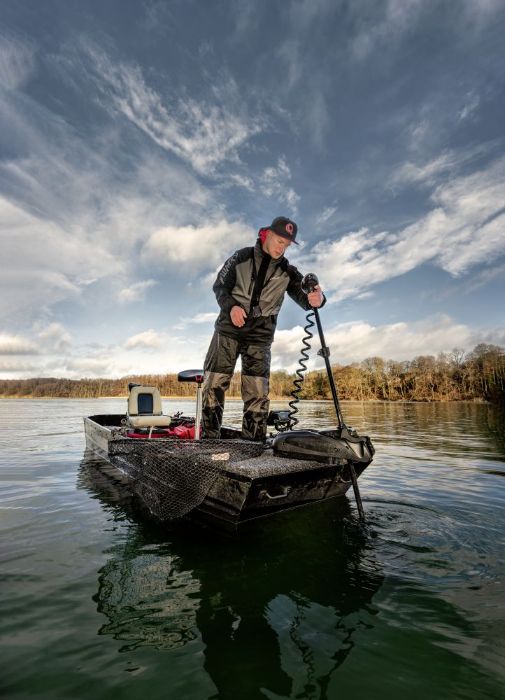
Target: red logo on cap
289, 229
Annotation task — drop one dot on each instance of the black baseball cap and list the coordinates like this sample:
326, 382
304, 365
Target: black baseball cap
284, 227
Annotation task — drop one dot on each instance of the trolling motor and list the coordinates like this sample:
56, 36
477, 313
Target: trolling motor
309, 283
324, 446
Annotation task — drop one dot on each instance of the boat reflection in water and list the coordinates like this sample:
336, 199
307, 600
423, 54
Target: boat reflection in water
273, 607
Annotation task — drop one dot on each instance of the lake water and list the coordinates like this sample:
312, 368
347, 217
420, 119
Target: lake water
98, 604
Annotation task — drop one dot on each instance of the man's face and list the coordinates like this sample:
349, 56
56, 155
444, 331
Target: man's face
275, 245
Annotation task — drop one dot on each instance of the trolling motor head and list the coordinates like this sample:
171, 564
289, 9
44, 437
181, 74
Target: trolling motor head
309, 282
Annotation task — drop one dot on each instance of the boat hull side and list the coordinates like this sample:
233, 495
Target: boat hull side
292, 490
97, 437
238, 496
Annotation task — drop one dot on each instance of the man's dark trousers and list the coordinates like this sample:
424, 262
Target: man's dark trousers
219, 367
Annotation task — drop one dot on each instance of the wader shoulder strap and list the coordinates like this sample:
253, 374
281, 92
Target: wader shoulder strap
259, 283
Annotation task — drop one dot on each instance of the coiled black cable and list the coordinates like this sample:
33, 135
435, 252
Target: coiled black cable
300, 371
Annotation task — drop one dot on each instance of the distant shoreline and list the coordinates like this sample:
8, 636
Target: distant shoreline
477, 400
475, 377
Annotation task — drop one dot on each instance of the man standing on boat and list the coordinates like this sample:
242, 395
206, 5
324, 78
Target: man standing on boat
250, 289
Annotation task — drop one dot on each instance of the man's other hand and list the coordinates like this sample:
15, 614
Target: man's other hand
315, 297
238, 316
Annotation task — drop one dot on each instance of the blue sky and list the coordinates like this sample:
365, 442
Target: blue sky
142, 142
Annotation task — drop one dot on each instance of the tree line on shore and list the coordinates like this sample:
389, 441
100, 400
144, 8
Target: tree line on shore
451, 376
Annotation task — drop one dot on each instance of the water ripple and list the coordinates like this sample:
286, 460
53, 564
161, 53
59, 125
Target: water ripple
98, 600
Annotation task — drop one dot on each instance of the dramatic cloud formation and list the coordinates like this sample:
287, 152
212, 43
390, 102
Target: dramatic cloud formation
134, 161
204, 133
463, 230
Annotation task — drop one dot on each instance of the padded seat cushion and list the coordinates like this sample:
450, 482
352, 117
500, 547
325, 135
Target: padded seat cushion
149, 421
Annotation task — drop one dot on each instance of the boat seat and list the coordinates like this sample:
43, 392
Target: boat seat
191, 375
144, 408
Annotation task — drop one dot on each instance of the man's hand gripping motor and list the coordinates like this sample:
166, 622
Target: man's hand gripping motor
310, 285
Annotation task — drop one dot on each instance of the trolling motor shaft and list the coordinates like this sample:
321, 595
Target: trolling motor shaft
309, 283
324, 352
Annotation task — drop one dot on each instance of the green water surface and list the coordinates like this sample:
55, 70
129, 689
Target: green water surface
98, 603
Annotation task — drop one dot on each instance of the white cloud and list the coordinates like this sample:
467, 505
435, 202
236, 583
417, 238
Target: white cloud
204, 134
463, 230
397, 18
290, 53
17, 345
201, 318
419, 133
175, 353
245, 17
135, 292
154, 353
147, 339
87, 367
483, 277
157, 353
43, 262
445, 164
304, 12
149, 352
412, 173
244, 181
383, 25
16, 63
70, 219
55, 337
477, 13
325, 215
200, 247
205, 317
472, 102
273, 183
355, 341
18, 367
83, 209
318, 119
